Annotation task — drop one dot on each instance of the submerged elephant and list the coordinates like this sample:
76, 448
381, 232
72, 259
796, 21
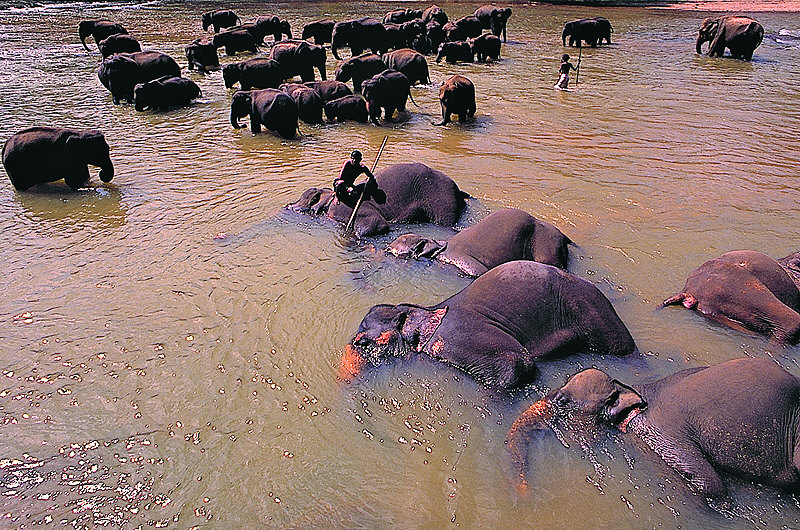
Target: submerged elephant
486, 47
415, 193
165, 92
274, 109
494, 18
745, 290
503, 236
455, 52
497, 328
46, 154
99, 29
309, 102
741, 35
347, 108
593, 31
457, 96
221, 18
741, 417
121, 72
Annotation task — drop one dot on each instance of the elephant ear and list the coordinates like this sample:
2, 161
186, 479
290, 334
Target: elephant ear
429, 248
622, 402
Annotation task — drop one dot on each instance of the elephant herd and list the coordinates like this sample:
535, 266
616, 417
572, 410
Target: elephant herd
741, 417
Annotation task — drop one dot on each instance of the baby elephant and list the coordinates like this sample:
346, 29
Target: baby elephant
165, 92
352, 107
455, 52
457, 96
503, 236
202, 54
119, 43
740, 417
46, 154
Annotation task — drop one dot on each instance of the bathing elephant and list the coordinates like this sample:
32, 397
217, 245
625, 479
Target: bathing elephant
202, 54
398, 16
487, 46
741, 35
299, 57
457, 96
269, 107
221, 18
359, 68
415, 193
463, 28
320, 30
359, 34
235, 40
593, 31
165, 92
741, 417
271, 25
309, 102
408, 62
494, 19
497, 328
388, 90
258, 72
330, 90
46, 154
99, 29
346, 108
455, 52
745, 290
121, 72
506, 235
118, 43
436, 14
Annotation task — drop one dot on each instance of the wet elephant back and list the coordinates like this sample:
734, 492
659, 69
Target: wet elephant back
762, 267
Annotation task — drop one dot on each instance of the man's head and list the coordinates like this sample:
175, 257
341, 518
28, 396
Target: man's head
356, 155
565, 58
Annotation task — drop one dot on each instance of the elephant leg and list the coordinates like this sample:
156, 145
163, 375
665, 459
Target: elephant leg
78, 177
688, 459
230, 52
255, 123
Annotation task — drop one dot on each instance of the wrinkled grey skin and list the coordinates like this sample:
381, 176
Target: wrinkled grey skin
457, 96
740, 417
309, 103
506, 235
462, 29
165, 92
235, 40
46, 154
741, 35
269, 107
415, 193
99, 29
455, 52
121, 72
271, 25
258, 72
436, 14
330, 90
487, 46
352, 107
359, 68
747, 291
497, 328
118, 43
398, 16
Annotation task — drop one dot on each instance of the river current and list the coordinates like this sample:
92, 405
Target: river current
154, 375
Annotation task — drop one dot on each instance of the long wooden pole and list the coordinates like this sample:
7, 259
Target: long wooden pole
352, 219
578, 70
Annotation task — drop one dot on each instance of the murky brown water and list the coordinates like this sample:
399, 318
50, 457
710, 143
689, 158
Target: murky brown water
152, 375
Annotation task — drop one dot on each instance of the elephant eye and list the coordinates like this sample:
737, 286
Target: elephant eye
561, 399
362, 341
613, 398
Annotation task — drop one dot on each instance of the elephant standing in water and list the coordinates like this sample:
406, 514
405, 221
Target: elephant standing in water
503, 236
593, 31
741, 35
740, 417
121, 72
118, 43
494, 19
359, 34
457, 96
748, 291
99, 29
221, 18
46, 154
273, 108
497, 328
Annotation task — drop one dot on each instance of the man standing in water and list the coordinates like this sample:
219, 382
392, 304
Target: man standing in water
347, 192
566, 66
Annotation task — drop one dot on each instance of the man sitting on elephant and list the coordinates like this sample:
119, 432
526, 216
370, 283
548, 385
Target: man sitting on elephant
344, 185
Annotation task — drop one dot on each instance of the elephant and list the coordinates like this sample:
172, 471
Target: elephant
487, 46
165, 92
398, 16
270, 24
330, 90
118, 43
435, 13
270, 107
347, 108
457, 96
454, 52
99, 29
590, 30
221, 18
359, 68
121, 72
741, 35
359, 34
309, 102
747, 291
415, 193
202, 53
410, 63
741, 417
463, 28
235, 40
434, 37
387, 90
299, 57
497, 328
791, 264
494, 19
503, 236
258, 72
46, 154
320, 30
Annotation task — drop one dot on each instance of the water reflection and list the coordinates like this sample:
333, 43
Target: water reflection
54, 208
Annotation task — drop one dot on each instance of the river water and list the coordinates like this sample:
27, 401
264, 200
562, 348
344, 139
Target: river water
154, 375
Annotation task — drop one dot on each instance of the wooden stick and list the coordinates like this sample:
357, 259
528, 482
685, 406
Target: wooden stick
352, 219
578, 69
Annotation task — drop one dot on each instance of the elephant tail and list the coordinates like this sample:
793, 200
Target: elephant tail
674, 300
412, 98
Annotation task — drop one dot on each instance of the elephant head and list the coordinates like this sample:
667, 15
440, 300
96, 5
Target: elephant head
314, 56
708, 30
241, 106
142, 96
589, 398
340, 37
498, 21
231, 74
416, 247
91, 147
389, 332
207, 20
118, 74
85, 29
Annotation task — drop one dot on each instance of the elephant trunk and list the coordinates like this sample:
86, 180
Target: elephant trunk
83, 41
700, 41
534, 419
235, 120
335, 44
107, 172
352, 363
